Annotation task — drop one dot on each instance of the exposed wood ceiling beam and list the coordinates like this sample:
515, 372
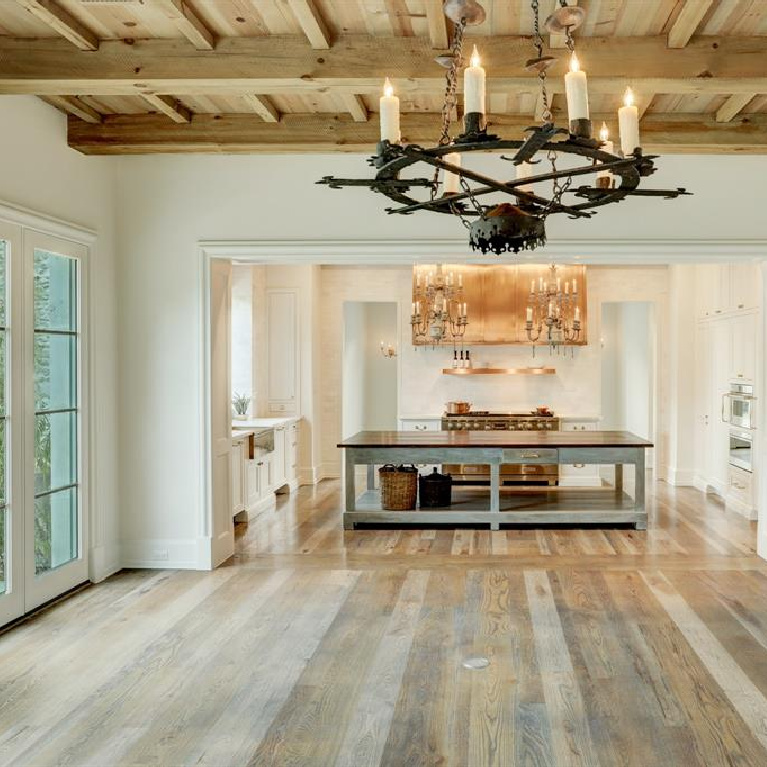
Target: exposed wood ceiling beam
687, 22
311, 22
142, 134
355, 106
188, 22
733, 106
63, 22
73, 106
285, 65
437, 21
558, 40
169, 106
263, 107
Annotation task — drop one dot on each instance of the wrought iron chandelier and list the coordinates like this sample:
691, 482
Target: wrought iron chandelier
520, 224
438, 308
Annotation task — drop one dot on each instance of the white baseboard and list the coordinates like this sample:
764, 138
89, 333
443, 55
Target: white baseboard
699, 483
269, 501
103, 561
733, 504
680, 477
310, 475
167, 553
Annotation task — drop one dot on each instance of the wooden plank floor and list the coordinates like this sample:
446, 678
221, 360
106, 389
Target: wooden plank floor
318, 646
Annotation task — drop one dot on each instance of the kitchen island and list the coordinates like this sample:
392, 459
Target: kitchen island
495, 505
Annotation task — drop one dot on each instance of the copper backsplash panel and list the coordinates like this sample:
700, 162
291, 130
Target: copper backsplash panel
497, 299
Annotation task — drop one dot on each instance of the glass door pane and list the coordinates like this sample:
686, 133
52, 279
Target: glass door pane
56, 410
4, 539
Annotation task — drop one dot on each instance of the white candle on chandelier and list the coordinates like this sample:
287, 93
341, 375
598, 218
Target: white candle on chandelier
628, 122
529, 315
575, 285
451, 182
559, 285
525, 170
460, 280
540, 284
567, 288
576, 90
389, 109
532, 286
418, 279
474, 86
412, 308
607, 146
577, 313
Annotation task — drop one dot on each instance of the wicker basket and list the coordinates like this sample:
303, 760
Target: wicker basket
399, 487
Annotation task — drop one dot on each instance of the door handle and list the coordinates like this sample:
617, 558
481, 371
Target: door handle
531, 455
725, 397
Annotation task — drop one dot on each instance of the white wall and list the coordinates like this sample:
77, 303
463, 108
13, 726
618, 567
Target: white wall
369, 380
380, 372
627, 367
41, 173
168, 204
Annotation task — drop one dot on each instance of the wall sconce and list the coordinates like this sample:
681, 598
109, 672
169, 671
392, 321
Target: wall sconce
388, 351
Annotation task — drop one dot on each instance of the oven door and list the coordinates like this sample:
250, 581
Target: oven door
739, 410
741, 450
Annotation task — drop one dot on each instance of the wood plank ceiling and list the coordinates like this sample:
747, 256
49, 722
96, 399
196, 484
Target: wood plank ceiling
141, 76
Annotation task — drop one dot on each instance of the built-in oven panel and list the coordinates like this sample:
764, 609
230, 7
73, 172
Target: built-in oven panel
739, 406
741, 450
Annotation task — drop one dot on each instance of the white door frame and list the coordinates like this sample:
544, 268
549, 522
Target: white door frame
409, 252
24, 228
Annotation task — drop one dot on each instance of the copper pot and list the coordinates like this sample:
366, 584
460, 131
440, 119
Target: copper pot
457, 408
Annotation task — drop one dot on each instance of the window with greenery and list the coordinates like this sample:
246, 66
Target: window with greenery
56, 410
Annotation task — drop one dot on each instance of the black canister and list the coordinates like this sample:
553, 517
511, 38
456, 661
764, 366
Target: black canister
435, 490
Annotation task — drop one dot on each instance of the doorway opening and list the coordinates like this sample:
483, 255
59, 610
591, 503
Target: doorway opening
628, 341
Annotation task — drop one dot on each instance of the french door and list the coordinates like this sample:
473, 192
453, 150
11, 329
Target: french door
43, 525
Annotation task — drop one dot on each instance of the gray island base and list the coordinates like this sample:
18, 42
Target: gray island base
495, 505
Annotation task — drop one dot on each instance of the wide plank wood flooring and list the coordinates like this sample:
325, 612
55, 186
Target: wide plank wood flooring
317, 646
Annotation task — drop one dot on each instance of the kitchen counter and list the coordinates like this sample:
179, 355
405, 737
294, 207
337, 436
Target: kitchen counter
263, 423
494, 448
495, 439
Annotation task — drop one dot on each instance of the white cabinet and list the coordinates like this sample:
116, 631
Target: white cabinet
712, 382
724, 288
279, 475
579, 474
282, 351
291, 453
744, 286
743, 328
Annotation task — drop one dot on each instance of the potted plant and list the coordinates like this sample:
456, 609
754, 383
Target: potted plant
240, 403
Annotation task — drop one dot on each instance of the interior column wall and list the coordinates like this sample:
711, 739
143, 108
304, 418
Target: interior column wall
41, 173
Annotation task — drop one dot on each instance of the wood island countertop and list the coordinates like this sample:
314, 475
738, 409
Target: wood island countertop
495, 439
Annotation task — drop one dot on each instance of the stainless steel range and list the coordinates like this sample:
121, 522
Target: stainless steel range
512, 473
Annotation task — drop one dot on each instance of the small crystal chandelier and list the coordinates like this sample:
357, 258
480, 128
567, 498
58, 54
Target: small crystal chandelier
553, 314
438, 309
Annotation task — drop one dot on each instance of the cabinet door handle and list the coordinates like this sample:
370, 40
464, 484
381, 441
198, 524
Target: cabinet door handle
531, 455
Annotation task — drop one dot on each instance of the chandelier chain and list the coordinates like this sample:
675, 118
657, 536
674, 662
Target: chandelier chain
450, 101
538, 43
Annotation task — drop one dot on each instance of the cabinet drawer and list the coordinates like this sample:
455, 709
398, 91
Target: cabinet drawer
739, 483
531, 455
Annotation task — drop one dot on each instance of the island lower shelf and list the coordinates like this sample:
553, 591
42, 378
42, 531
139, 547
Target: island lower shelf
516, 507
